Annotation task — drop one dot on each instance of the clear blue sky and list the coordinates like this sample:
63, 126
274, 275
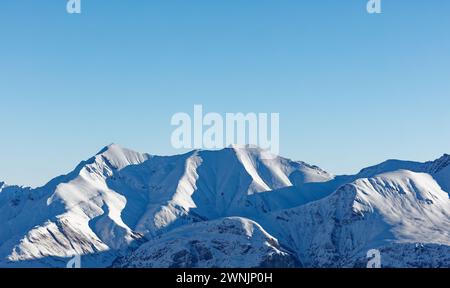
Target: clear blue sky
352, 89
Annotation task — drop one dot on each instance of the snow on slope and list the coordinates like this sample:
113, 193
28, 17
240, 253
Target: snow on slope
228, 242
390, 212
439, 169
202, 185
119, 196
112, 203
58, 219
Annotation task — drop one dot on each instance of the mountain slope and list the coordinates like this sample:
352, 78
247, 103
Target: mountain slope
57, 219
126, 205
390, 210
118, 198
228, 242
439, 169
204, 185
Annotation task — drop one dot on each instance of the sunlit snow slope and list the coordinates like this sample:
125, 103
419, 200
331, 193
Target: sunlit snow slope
227, 208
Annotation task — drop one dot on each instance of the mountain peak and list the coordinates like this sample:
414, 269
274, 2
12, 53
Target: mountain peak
439, 164
254, 150
244, 146
110, 147
445, 157
102, 208
120, 157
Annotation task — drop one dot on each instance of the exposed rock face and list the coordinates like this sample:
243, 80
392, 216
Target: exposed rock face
228, 242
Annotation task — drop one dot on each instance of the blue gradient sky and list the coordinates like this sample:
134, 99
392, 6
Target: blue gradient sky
352, 89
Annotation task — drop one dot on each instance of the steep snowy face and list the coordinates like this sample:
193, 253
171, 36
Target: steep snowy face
439, 169
412, 203
228, 242
396, 209
119, 158
118, 196
246, 179
232, 181
158, 192
166, 192
88, 182
73, 214
274, 172
118, 199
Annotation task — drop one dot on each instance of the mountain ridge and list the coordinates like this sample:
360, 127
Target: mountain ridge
113, 203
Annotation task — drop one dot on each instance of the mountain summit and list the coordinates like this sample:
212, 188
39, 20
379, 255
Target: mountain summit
228, 208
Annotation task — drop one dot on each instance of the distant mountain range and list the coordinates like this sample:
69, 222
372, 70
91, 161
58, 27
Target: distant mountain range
228, 208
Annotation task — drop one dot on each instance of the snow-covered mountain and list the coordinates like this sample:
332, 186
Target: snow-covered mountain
227, 242
389, 212
227, 208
